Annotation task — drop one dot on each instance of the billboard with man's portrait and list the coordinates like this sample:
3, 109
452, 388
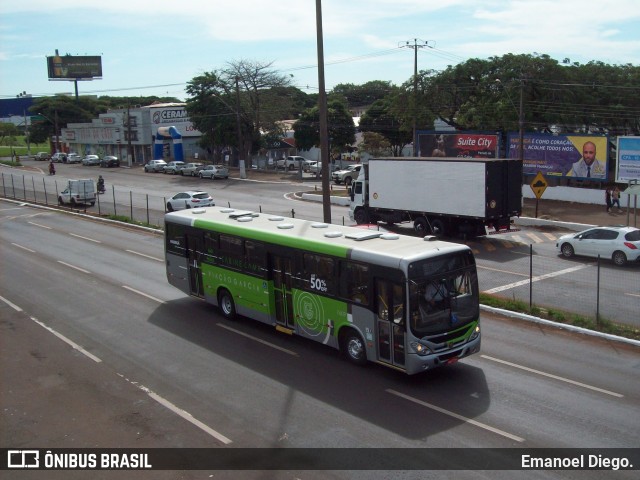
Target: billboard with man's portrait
576, 156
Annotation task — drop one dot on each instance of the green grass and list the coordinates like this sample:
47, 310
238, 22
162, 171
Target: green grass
560, 316
20, 147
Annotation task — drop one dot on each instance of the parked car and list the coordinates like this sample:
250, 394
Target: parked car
312, 167
109, 161
290, 163
620, 244
214, 171
91, 160
191, 199
59, 157
192, 169
155, 166
74, 158
347, 175
173, 167
42, 156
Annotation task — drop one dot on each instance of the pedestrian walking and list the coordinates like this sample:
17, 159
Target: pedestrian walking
615, 198
607, 199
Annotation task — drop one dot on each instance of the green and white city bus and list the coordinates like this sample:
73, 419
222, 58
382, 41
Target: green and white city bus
408, 303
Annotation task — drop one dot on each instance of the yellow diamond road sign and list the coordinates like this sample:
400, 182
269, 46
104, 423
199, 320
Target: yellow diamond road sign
539, 185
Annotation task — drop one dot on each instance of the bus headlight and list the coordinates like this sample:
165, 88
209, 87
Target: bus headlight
420, 349
475, 334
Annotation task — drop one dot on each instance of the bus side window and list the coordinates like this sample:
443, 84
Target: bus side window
319, 273
210, 248
176, 242
355, 282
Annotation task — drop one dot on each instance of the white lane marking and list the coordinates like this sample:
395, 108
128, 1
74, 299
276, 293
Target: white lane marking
74, 267
143, 294
536, 279
180, 412
503, 271
23, 248
633, 294
555, 377
12, 305
146, 256
289, 352
84, 238
41, 226
68, 341
455, 415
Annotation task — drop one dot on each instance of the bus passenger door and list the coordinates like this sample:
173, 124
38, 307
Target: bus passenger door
194, 252
282, 274
390, 308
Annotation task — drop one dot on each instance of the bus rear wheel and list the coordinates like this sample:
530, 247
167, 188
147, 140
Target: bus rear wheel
226, 304
353, 348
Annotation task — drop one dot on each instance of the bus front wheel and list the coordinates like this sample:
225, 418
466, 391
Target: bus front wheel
227, 306
353, 348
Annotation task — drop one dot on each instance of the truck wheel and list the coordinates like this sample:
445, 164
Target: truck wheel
360, 216
169, 207
292, 167
60, 202
421, 226
73, 202
438, 228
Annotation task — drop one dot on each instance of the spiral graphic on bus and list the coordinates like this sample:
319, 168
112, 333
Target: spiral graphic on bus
310, 314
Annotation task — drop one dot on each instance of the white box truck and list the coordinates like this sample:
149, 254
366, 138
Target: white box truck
78, 192
441, 196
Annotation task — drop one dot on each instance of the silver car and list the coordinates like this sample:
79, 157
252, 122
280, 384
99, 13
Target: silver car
190, 199
214, 171
174, 167
155, 166
91, 160
192, 169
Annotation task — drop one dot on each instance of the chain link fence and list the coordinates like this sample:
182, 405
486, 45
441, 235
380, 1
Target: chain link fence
593, 290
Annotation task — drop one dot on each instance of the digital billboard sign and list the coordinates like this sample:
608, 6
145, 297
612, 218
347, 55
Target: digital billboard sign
70, 67
460, 145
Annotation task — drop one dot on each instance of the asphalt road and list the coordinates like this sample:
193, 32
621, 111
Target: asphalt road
104, 289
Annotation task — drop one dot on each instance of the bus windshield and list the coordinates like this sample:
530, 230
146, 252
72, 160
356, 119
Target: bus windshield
443, 294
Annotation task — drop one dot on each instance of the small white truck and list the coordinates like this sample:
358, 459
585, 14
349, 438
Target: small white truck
441, 196
78, 192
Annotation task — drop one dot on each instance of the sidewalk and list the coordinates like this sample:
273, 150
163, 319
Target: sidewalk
550, 211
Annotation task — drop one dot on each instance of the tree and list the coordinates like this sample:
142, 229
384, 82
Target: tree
8, 133
342, 131
379, 119
376, 144
362, 95
237, 93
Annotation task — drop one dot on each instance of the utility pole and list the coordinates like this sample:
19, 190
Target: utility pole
243, 173
417, 43
129, 155
324, 122
55, 127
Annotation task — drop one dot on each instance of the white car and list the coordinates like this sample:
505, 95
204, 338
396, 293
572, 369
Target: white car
620, 244
155, 166
214, 171
191, 199
74, 158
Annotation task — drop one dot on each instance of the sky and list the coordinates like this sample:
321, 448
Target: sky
156, 47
